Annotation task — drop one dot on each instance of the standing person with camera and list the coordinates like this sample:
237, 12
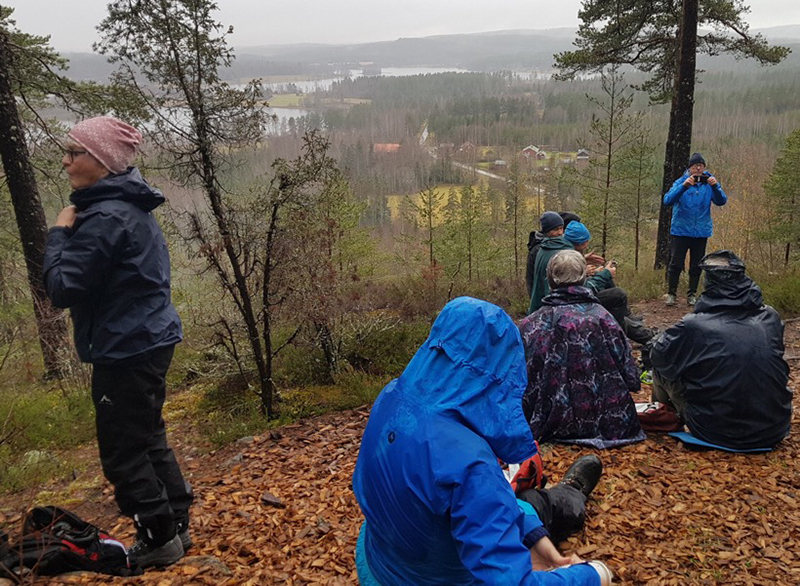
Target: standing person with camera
691, 197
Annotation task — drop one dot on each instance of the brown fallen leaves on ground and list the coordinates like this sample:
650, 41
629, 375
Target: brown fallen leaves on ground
280, 510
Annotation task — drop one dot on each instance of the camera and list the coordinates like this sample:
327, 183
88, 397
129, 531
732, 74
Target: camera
700, 178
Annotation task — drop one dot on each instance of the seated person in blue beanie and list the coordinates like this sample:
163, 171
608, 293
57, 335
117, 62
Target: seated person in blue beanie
438, 508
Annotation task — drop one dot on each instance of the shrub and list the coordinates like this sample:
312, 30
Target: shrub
642, 284
36, 428
378, 343
781, 291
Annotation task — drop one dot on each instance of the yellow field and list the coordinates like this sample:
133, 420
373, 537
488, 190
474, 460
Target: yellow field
394, 202
286, 101
532, 203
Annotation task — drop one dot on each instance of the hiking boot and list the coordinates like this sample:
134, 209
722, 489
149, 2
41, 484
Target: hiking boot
671, 299
584, 474
184, 536
148, 556
691, 299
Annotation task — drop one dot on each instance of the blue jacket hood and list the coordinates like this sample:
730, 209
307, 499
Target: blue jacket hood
472, 369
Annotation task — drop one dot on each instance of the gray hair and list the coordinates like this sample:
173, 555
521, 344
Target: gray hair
566, 268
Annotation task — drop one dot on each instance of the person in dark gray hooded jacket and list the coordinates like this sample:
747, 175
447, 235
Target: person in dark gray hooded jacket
722, 366
107, 261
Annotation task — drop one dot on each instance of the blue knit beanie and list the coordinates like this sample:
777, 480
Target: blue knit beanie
577, 233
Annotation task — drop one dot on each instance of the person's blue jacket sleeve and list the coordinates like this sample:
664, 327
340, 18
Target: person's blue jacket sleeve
488, 526
676, 191
718, 195
533, 528
78, 261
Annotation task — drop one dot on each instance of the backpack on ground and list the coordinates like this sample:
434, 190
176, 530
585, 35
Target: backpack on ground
658, 417
56, 541
526, 475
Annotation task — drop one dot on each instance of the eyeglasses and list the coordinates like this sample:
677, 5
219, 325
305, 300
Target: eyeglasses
71, 154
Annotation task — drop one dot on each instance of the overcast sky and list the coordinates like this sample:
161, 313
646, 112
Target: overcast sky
71, 23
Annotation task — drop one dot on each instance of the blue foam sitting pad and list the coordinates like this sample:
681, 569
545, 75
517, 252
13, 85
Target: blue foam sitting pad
688, 438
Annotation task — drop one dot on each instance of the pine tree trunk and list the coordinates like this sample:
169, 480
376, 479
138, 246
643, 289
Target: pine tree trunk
679, 139
50, 322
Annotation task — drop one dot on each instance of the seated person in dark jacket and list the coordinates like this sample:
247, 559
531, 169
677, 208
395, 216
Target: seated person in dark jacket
552, 226
722, 367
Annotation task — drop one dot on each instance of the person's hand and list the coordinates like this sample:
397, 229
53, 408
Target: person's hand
591, 270
594, 259
612, 268
712, 180
66, 218
544, 556
689, 181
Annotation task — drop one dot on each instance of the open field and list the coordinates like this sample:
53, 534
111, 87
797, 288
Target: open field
286, 101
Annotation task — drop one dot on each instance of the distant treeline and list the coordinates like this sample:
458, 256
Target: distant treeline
516, 51
503, 109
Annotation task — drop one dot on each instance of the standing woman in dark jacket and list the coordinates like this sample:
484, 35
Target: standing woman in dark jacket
107, 261
691, 197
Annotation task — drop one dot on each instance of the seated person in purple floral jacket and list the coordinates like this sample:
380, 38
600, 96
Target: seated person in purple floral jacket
580, 368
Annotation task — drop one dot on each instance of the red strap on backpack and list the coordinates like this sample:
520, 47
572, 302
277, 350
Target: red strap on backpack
660, 419
530, 473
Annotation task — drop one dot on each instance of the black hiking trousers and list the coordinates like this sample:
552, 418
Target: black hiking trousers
561, 509
696, 247
148, 484
615, 301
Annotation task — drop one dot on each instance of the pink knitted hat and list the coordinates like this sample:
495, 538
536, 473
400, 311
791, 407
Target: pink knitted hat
110, 141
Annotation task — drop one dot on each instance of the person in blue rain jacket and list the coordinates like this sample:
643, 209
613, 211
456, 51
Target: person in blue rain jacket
438, 509
691, 197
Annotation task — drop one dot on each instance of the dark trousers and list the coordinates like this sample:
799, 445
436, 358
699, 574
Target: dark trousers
562, 509
696, 247
672, 393
615, 300
148, 484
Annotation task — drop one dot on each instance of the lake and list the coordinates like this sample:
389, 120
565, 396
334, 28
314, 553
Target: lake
312, 85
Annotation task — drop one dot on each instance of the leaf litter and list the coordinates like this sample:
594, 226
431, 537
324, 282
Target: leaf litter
284, 513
